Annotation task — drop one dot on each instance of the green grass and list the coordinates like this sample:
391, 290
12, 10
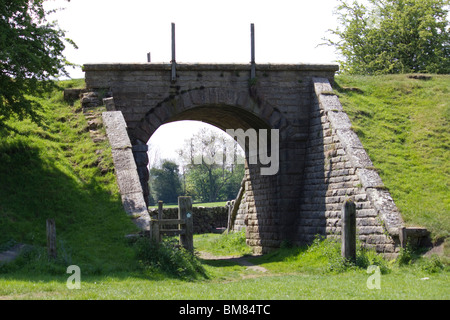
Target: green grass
56, 171
223, 244
351, 285
404, 126
293, 273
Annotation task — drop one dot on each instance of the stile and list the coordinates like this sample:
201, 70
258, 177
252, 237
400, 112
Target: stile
185, 224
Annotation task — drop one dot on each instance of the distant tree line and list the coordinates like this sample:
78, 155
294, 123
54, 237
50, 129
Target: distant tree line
203, 171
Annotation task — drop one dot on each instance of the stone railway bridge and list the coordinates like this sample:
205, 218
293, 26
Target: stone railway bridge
321, 160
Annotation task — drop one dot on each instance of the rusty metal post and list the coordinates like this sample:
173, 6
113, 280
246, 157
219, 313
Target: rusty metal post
253, 65
173, 61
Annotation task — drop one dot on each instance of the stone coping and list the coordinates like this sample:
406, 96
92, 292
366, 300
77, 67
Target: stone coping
207, 67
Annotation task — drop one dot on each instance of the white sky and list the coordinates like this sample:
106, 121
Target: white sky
286, 31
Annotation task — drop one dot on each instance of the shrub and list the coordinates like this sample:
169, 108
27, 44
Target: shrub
330, 249
168, 258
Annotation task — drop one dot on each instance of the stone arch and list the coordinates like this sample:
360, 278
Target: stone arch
223, 108
229, 109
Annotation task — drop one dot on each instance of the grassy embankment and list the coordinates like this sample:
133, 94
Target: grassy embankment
404, 125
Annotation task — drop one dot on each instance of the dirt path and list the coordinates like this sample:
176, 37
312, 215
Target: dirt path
241, 260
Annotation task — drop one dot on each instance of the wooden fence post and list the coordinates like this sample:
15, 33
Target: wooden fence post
237, 203
403, 237
348, 230
51, 238
160, 209
230, 208
185, 213
154, 230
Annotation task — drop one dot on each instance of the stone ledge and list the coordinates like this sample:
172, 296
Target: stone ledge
116, 129
369, 178
414, 236
125, 167
387, 210
207, 67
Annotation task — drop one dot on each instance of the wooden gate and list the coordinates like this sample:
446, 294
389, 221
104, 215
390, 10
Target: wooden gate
184, 222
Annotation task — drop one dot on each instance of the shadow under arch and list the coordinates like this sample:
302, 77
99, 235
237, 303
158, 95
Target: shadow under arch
223, 117
223, 108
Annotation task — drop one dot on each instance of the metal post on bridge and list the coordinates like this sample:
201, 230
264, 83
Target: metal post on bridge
253, 64
173, 61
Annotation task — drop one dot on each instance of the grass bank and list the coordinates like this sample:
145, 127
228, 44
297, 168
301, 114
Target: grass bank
314, 272
55, 170
404, 124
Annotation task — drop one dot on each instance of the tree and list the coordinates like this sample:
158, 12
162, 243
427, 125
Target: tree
31, 54
393, 36
166, 182
209, 175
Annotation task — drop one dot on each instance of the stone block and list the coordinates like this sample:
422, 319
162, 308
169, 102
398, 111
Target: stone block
116, 129
359, 158
141, 158
330, 102
339, 120
369, 178
386, 208
134, 203
123, 159
128, 181
349, 139
321, 85
153, 120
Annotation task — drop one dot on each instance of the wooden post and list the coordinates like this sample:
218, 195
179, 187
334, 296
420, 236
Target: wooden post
160, 209
348, 230
230, 208
237, 203
403, 237
185, 213
51, 238
154, 230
